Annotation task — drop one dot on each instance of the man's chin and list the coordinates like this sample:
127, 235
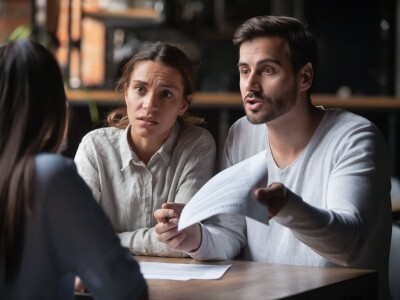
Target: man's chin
256, 118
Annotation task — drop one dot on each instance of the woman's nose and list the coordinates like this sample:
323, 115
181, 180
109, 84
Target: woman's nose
150, 103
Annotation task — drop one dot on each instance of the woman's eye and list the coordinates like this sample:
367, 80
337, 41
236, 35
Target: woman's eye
140, 89
166, 94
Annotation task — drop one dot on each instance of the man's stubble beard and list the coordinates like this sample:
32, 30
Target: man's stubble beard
277, 107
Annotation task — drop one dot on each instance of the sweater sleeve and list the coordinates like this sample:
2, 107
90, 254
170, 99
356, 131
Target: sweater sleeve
88, 167
223, 236
357, 201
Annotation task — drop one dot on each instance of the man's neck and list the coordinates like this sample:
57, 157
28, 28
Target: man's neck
290, 134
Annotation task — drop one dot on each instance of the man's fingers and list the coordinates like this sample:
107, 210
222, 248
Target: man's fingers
262, 195
273, 196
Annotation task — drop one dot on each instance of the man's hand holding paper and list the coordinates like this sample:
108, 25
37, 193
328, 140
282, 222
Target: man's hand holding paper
231, 191
241, 189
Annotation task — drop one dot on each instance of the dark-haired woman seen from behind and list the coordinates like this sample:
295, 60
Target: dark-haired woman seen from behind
51, 228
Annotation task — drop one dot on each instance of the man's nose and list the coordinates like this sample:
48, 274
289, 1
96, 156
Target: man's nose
253, 82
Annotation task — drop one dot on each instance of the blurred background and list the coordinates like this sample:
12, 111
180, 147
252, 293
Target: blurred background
358, 43
357, 38
359, 66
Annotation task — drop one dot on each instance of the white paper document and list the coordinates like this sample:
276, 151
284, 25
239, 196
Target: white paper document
153, 270
231, 192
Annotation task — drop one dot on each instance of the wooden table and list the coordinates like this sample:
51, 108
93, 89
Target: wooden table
252, 280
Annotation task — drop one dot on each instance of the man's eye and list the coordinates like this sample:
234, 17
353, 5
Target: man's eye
268, 70
244, 72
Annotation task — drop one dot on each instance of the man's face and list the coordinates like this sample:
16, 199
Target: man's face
267, 82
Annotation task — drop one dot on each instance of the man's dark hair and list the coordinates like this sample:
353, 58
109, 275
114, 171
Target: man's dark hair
302, 44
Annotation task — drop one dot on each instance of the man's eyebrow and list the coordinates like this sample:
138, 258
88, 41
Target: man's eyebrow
263, 61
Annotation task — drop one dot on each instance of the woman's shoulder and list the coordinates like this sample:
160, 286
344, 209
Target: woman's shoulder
50, 165
194, 136
101, 135
57, 179
52, 162
195, 132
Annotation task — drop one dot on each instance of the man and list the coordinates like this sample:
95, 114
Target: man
328, 194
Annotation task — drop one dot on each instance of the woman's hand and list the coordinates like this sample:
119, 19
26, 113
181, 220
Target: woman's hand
187, 240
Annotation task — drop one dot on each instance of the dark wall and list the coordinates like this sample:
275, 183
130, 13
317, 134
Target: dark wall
356, 40
357, 45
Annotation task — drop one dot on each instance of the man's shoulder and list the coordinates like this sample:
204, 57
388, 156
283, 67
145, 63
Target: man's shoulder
242, 122
244, 140
340, 127
242, 126
243, 130
342, 117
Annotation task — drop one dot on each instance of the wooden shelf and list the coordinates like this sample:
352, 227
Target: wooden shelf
130, 17
223, 102
235, 100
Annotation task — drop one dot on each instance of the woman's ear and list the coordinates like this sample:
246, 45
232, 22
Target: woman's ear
306, 77
185, 104
125, 92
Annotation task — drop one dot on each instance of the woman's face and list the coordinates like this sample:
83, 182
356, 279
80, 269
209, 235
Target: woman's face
154, 99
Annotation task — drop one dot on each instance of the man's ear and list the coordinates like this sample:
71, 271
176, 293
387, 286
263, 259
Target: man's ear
306, 77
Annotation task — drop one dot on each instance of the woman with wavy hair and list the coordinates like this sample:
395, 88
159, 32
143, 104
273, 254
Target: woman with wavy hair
152, 152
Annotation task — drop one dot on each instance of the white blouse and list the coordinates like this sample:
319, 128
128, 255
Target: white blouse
130, 191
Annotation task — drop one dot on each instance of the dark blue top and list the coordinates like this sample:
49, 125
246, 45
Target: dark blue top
68, 234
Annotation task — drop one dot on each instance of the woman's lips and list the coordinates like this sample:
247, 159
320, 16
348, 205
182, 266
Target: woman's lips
147, 121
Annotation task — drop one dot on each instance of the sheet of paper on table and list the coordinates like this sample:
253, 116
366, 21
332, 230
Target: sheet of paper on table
231, 192
171, 271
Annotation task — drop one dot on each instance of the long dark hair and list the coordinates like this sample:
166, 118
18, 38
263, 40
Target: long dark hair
32, 120
165, 54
